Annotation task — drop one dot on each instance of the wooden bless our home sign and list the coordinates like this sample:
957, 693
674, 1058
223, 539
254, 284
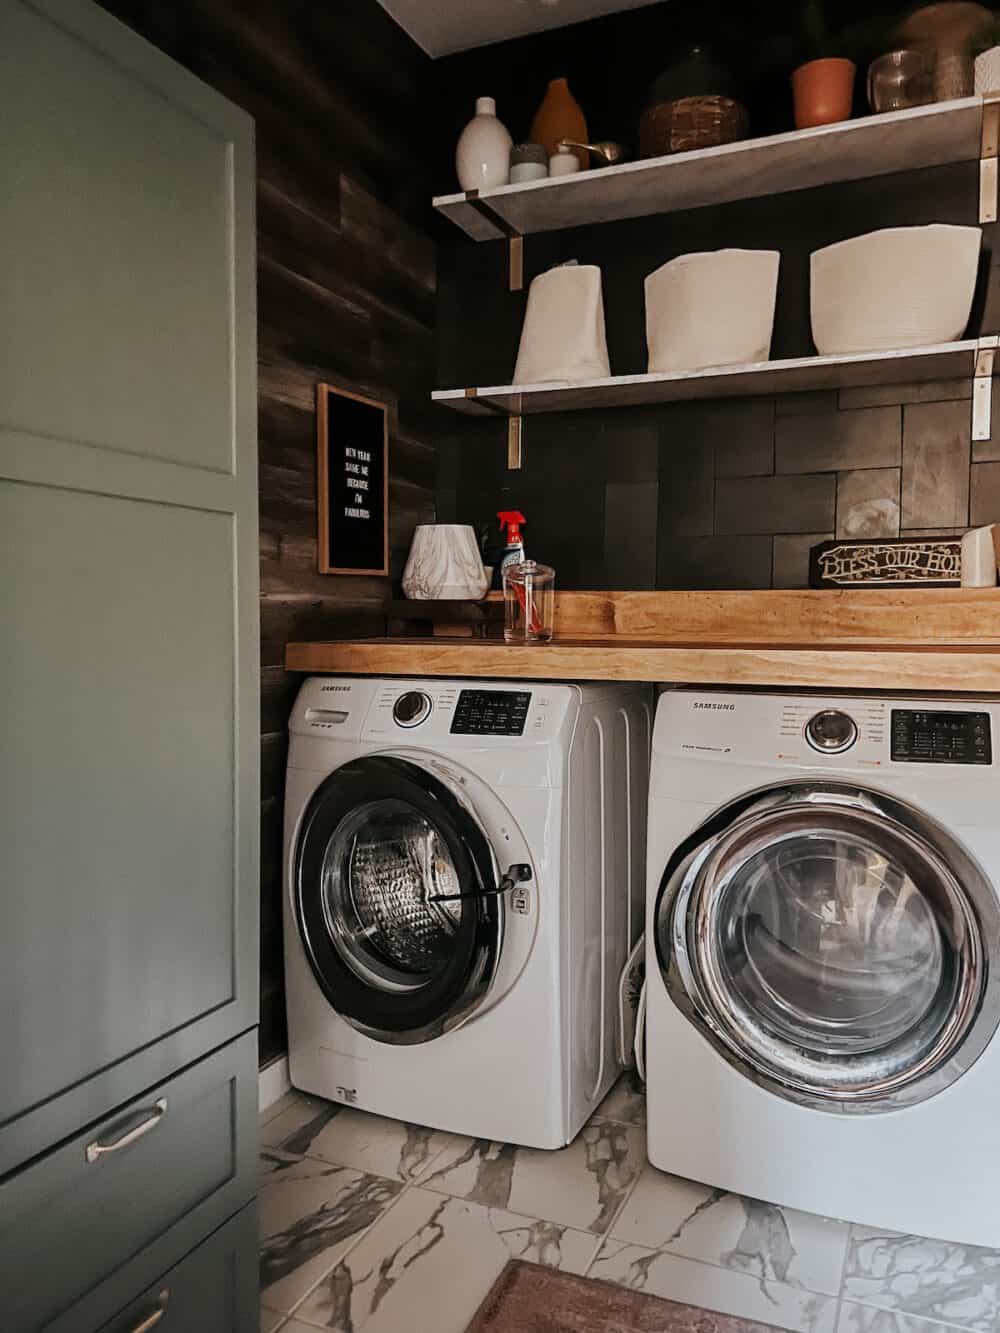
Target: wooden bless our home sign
353, 439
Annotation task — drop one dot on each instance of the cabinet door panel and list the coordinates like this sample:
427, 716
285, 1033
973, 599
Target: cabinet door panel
128, 535
117, 206
213, 1290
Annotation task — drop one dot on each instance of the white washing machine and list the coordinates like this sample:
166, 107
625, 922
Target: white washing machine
823, 955
464, 880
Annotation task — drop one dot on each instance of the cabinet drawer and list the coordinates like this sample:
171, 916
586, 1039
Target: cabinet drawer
213, 1290
99, 1217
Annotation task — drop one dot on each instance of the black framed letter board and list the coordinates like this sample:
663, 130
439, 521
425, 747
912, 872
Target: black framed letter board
353, 438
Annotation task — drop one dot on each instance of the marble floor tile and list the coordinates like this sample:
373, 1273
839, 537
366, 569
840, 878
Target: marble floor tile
698, 1222
854, 1318
296, 1111
934, 1279
310, 1215
297, 1326
270, 1113
714, 1288
348, 1137
581, 1186
626, 1101
428, 1264
270, 1319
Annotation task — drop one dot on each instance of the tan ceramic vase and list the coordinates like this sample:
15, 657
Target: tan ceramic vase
560, 117
823, 91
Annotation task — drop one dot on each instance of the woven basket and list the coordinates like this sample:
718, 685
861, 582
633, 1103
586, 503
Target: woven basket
691, 122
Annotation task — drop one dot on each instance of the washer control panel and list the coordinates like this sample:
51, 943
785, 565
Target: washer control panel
491, 713
923, 737
831, 731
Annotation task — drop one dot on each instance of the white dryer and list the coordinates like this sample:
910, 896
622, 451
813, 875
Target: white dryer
823, 955
464, 880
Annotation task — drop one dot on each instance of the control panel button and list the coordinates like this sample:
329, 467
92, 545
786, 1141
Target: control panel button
411, 709
831, 732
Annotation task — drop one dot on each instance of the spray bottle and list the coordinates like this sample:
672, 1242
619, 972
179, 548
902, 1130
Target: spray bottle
511, 522
513, 550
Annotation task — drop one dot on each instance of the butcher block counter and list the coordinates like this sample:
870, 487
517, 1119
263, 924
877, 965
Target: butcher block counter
941, 639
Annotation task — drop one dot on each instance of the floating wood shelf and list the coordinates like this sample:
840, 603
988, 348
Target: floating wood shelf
947, 361
929, 136
929, 640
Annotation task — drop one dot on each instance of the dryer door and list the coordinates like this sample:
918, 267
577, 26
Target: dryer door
397, 898
834, 945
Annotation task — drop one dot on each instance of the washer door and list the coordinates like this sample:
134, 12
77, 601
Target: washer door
381, 840
834, 945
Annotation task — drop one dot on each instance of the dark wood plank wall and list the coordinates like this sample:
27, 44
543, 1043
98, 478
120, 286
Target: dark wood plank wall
346, 292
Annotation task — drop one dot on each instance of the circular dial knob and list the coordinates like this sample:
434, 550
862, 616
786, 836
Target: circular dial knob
831, 731
411, 708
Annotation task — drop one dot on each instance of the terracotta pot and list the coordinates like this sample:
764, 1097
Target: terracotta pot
560, 117
823, 92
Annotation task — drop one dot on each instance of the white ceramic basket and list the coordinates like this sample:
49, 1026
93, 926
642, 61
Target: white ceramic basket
988, 71
444, 564
563, 337
711, 309
901, 287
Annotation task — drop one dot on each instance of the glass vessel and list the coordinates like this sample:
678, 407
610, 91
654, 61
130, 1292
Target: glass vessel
529, 602
900, 79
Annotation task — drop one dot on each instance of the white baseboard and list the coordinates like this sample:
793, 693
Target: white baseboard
273, 1082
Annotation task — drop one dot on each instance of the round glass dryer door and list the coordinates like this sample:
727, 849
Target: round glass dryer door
834, 945
397, 900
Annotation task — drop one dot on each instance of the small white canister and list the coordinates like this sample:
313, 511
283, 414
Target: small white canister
563, 337
564, 161
979, 558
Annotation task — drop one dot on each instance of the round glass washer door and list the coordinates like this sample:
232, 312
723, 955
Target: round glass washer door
834, 945
396, 896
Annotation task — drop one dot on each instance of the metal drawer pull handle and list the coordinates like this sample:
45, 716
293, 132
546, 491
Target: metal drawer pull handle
152, 1320
97, 1149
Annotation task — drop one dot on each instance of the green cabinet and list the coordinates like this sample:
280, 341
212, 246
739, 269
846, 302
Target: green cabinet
128, 514
129, 735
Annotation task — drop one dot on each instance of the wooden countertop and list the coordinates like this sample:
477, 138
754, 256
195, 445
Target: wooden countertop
886, 667
945, 639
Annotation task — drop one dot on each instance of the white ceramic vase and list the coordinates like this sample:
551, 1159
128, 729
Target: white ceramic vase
563, 337
444, 565
482, 158
715, 308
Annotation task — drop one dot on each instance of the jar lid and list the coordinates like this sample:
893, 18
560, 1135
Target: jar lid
528, 569
528, 152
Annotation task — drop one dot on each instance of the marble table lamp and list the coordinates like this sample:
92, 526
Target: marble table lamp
444, 564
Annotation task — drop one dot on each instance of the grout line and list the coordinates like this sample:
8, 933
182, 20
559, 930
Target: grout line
920, 1319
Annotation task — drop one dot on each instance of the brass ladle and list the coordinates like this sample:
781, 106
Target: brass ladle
609, 152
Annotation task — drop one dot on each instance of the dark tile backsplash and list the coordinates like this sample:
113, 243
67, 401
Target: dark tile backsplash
724, 493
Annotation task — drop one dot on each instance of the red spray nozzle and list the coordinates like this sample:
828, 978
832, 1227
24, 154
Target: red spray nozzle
510, 521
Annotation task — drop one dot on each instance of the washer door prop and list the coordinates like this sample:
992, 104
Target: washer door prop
834, 945
398, 900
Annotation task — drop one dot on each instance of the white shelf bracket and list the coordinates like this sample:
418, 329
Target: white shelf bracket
982, 387
515, 241
988, 148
